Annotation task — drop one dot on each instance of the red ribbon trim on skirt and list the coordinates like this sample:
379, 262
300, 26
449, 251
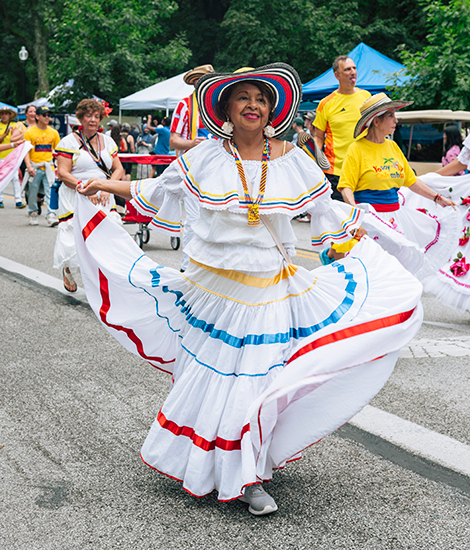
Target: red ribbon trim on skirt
232, 445
104, 309
93, 224
356, 330
204, 444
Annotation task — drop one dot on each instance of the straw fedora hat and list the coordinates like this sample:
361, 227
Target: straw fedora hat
375, 106
11, 112
280, 77
306, 141
195, 74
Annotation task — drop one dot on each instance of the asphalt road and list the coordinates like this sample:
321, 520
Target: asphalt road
75, 408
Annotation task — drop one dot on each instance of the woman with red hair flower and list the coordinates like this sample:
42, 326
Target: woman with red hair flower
83, 154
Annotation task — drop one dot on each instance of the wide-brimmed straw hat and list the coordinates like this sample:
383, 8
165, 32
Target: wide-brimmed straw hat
195, 74
375, 106
311, 115
280, 77
8, 110
307, 140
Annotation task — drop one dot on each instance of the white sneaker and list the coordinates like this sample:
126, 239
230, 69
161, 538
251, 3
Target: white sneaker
33, 219
260, 503
52, 220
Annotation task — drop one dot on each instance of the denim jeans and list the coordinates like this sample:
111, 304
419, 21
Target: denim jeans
33, 189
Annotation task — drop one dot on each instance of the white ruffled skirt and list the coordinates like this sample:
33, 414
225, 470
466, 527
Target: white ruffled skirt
65, 254
420, 240
263, 365
450, 286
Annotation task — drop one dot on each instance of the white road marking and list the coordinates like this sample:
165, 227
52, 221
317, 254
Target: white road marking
438, 448
41, 278
407, 435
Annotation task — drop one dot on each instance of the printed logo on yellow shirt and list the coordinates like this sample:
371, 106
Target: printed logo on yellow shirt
389, 169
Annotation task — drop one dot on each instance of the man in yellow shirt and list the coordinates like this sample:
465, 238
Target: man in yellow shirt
8, 133
39, 164
336, 117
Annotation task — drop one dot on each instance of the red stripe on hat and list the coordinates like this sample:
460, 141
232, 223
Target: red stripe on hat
93, 224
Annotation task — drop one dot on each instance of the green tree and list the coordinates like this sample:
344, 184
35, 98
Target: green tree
113, 48
199, 21
309, 34
27, 23
439, 72
110, 48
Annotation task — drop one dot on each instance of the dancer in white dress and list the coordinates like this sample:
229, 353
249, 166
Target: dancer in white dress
81, 156
450, 283
373, 174
266, 357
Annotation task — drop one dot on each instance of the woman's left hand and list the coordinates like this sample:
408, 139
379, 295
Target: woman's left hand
104, 198
444, 201
94, 199
18, 141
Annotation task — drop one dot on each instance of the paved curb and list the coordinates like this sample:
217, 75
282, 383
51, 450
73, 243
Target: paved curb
41, 279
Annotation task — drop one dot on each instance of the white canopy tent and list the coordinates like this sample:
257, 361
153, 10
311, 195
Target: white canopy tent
164, 95
49, 100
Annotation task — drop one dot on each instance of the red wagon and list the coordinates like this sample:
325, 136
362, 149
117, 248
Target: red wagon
142, 234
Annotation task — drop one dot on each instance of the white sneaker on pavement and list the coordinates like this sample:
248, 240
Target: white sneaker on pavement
33, 219
260, 503
52, 220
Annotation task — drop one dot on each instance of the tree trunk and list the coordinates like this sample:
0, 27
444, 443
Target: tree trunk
40, 53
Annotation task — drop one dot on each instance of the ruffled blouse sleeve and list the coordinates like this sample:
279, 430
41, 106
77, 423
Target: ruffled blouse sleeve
333, 222
160, 200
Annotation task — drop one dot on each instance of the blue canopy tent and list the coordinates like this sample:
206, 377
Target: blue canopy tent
373, 70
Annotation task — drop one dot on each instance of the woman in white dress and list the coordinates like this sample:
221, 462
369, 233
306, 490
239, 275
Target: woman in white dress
375, 172
266, 357
82, 155
450, 283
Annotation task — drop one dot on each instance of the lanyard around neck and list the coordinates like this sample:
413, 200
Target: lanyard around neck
253, 205
89, 148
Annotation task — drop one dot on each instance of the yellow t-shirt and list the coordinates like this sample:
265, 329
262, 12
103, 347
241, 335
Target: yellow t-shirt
337, 115
375, 171
7, 138
43, 141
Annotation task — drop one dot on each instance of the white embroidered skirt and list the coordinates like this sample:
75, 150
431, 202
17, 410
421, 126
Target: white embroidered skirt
420, 240
449, 282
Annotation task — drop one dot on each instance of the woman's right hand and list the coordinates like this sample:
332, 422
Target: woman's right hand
92, 186
18, 141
